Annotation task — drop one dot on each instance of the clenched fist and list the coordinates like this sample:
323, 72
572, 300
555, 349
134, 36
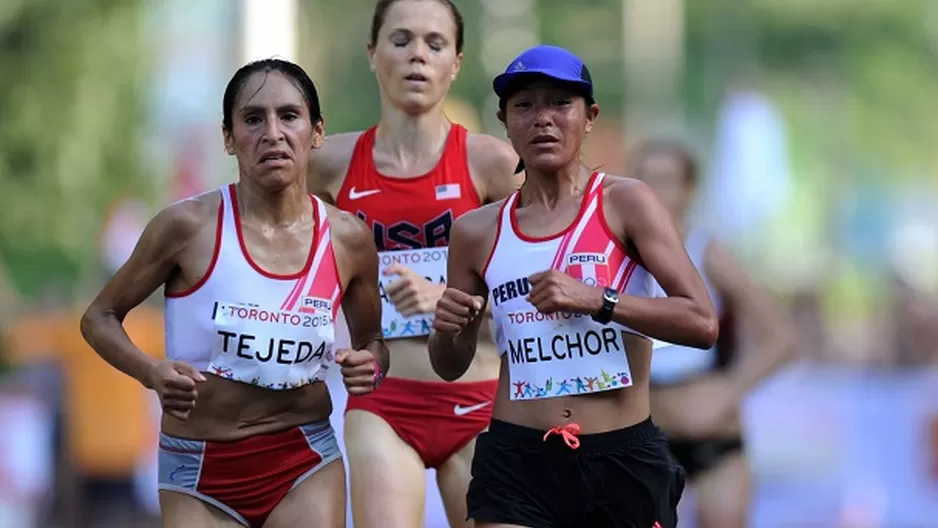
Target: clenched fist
455, 310
360, 371
175, 382
554, 291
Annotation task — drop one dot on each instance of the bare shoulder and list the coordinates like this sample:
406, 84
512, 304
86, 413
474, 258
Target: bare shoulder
631, 209
335, 152
180, 222
477, 225
349, 231
329, 163
490, 152
627, 193
493, 162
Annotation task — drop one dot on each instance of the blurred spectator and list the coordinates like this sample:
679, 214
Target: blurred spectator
914, 318
108, 426
749, 179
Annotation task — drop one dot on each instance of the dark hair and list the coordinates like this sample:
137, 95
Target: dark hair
669, 147
290, 70
381, 11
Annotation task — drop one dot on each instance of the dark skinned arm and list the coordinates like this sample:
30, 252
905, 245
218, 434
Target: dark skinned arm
459, 312
361, 300
150, 265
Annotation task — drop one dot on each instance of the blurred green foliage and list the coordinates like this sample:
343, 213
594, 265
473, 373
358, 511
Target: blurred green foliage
865, 69
70, 112
855, 78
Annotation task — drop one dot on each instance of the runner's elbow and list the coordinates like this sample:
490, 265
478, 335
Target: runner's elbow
709, 330
90, 321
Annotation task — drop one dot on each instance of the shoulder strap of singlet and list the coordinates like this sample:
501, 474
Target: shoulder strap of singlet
456, 143
597, 185
455, 158
591, 199
228, 226
504, 214
361, 154
321, 214
456, 139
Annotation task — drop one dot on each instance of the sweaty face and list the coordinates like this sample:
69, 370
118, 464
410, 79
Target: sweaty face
415, 55
665, 174
547, 123
271, 132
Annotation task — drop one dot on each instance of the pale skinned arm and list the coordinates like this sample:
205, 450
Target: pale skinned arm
494, 161
774, 343
328, 165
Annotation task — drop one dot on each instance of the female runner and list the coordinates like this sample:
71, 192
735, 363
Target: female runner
253, 273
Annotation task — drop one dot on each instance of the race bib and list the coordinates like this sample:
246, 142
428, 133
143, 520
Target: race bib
573, 359
429, 263
273, 348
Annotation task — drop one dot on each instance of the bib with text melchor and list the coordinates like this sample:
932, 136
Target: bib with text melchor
558, 354
561, 354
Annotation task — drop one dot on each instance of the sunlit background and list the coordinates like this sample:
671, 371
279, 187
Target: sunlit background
815, 120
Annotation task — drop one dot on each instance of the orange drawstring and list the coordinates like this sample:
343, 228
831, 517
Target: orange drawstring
569, 434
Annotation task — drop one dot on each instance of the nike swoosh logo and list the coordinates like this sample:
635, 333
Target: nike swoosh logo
353, 195
459, 410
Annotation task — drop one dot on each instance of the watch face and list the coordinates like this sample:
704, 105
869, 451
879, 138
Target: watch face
611, 295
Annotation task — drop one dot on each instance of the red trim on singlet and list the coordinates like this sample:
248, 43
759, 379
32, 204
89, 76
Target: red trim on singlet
600, 209
564, 231
409, 212
300, 286
211, 266
247, 255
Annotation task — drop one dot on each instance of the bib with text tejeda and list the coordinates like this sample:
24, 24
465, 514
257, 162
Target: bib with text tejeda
561, 354
246, 324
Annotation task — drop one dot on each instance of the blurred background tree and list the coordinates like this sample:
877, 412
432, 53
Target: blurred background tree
855, 80
71, 97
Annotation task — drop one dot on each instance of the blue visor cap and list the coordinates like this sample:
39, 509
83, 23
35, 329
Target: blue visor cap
544, 61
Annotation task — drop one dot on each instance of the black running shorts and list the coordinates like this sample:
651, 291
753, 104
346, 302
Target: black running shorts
619, 479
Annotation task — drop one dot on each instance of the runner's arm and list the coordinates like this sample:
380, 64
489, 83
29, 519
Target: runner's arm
686, 316
452, 354
361, 299
776, 345
494, 161
151, 264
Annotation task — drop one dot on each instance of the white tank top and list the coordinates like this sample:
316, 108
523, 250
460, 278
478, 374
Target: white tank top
676, 363
245, 324
561, 354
